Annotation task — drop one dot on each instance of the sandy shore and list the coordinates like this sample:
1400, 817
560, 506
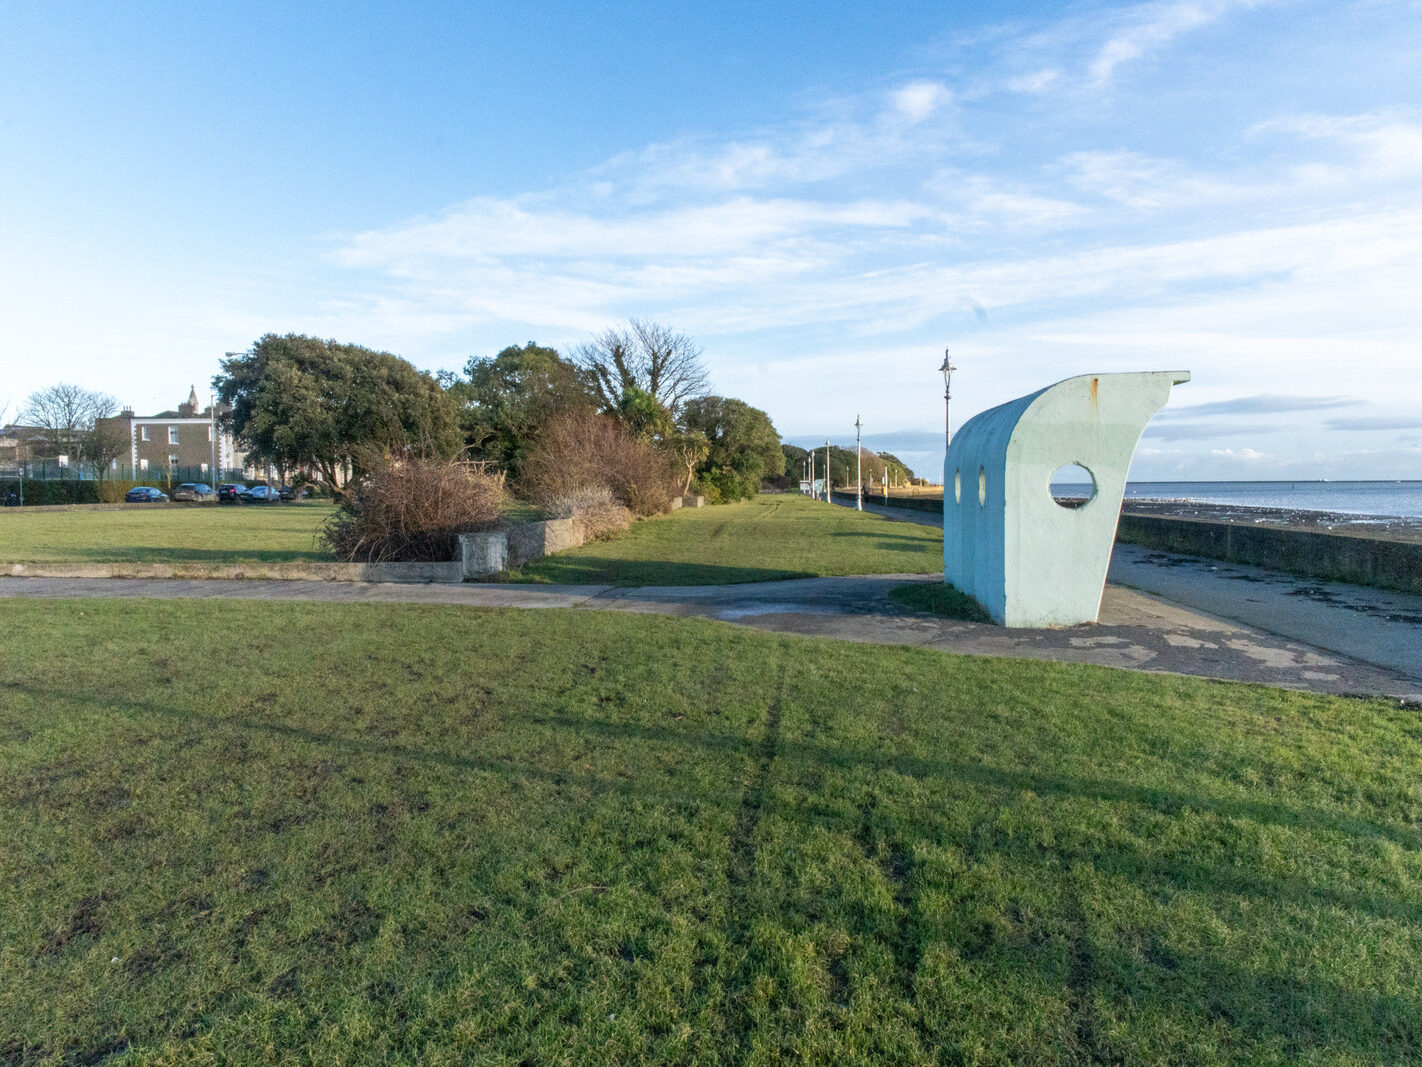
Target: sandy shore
1383, 527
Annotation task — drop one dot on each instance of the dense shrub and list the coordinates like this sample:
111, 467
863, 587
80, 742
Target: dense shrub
414, 511
595, 509
580, 450
727, 486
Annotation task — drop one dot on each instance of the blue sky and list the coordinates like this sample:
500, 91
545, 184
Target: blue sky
823, 195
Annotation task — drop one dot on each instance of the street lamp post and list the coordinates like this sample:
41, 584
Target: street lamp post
858, 465
810, 458
947, 370
827, 470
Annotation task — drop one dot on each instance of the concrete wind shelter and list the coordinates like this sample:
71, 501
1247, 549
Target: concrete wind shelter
1029, 560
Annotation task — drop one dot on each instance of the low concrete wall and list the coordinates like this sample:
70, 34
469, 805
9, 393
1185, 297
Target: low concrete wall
313, 571
483, 554
488, 554
1331, 556
533, 540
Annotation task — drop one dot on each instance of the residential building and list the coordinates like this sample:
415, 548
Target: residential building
189, 438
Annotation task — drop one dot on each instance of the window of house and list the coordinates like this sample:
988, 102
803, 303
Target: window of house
209, 433
143, 433
172, 435
143, 464
172, 459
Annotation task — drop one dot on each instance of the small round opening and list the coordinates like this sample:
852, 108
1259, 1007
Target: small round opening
1072, 486
958, 486
982, 486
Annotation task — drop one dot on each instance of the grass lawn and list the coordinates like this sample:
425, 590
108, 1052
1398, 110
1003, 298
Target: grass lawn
770, 537
252, 832
209, 533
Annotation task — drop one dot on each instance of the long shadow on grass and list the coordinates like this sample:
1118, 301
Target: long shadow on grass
1192, 874
1164, 801
599, 570
1167, 802
1303, 1013
920, 541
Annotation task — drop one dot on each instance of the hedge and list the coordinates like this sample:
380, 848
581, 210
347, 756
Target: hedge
75, 491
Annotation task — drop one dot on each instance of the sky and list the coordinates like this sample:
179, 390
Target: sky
823, 195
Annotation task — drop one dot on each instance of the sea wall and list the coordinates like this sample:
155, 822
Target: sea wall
1337, 557
1332, 556
913, 503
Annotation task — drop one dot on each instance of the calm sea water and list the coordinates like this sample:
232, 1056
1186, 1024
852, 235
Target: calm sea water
1355, 498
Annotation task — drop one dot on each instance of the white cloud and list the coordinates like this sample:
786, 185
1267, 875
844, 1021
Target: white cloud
1385, 147
1035, 82
1149, 28
918, 100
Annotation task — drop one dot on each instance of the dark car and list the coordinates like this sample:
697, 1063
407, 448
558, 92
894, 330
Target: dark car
289, 492
231, 493
195, 491
262, 494
144, 494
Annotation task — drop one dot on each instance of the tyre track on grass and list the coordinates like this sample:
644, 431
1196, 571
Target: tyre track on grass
740, 876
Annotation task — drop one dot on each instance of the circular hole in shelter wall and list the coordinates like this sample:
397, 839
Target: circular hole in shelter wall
958, 486
1072, 486
982, 486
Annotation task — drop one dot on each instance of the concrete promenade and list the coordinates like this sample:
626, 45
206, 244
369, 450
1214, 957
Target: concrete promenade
1373, 626
1137, 630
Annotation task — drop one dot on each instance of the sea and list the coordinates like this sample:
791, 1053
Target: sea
1402, 498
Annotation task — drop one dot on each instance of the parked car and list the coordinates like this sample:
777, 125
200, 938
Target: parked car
195, 491
231, 493
144, 494
288, 493
262, 494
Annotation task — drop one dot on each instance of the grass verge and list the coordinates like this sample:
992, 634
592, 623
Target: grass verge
361, 833
939, 598
771, 537
211, 533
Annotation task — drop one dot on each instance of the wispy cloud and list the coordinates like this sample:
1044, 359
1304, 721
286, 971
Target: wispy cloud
845, 235
1267, 403
1373, 423
1150, 28
918, 100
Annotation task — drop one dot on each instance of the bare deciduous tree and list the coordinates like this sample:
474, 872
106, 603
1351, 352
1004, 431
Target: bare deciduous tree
102, 446
65, 416
648, 355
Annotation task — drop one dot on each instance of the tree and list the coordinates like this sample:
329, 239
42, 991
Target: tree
690, 448
648, 355
299, 401
504, 400
643, 415
897, 470
743, 448
102, 446
65, 416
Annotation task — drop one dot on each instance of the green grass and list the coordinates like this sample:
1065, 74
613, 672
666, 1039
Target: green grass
768, 538
252, 832
936, 598
207, 533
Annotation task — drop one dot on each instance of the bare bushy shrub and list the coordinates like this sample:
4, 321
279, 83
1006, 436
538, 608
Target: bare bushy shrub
596, 511
580, 450
414, 511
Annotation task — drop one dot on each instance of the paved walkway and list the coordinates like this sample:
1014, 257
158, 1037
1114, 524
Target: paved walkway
1375, 627
1137, 630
